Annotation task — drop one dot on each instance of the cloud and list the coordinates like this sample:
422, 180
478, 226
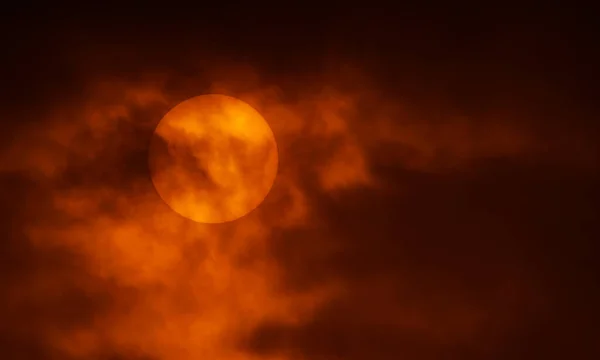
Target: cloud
387, 234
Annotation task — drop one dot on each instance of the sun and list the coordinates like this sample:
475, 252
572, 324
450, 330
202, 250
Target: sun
213, 158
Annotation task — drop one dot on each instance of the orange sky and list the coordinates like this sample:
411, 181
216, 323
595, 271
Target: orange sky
393, 230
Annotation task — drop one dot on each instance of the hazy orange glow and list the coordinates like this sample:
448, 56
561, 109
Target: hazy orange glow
184, 290
213, 158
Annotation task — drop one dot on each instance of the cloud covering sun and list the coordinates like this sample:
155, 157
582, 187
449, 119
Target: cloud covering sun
372, 224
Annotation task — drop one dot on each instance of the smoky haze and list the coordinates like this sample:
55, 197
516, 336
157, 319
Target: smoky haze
436, 196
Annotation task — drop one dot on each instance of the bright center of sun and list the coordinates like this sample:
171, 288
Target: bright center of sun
213, 158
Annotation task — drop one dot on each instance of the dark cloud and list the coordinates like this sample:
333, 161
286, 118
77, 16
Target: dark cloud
503, 252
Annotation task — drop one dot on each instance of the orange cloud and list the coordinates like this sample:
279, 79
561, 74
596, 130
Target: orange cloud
187, 291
